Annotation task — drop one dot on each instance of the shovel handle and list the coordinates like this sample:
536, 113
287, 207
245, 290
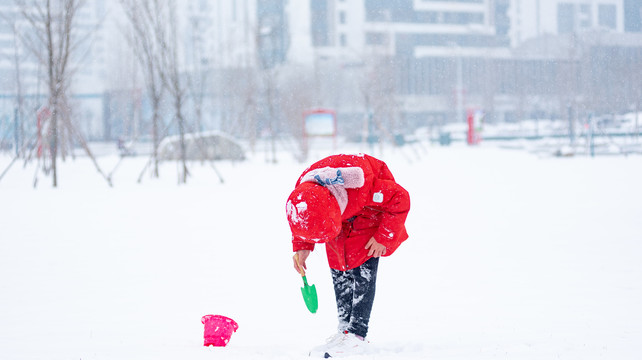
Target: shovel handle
296, 261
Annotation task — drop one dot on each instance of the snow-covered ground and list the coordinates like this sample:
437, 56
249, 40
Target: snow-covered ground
510, 256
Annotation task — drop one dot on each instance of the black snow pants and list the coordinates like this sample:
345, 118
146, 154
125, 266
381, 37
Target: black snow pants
354, 290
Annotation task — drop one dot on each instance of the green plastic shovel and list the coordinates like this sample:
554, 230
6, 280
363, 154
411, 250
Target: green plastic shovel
309, 292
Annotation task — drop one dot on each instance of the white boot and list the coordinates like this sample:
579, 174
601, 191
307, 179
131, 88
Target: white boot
349, 345
330, 343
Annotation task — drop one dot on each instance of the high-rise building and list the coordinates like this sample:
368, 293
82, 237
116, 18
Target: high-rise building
406, 27
534, 18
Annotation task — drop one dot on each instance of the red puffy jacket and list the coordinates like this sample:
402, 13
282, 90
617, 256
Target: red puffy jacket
377, 209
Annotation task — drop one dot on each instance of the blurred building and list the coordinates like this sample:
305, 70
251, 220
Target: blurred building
405, 27
226, 32
234, 33
534, 18
408, 63
426, 43
512, 58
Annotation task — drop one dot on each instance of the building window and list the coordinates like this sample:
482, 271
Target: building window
386, 10
343, 40
342, 17
585, 16
319, 27
565, 18
607, 16
441, 17
632, 16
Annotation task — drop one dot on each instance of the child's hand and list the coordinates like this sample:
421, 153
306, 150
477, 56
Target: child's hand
376, 249
299, 261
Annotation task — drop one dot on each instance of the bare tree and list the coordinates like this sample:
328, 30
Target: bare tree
238, 98
198, 77
166, 34
53, 40
155, 42
295, 98
145, 17
378, 91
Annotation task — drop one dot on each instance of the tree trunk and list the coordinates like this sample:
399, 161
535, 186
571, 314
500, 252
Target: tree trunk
181, 130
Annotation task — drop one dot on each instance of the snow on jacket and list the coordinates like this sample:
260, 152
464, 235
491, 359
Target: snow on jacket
372, 205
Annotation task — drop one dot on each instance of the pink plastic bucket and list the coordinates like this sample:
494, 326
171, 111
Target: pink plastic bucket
218, 329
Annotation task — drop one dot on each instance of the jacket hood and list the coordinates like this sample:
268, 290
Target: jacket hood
313, 213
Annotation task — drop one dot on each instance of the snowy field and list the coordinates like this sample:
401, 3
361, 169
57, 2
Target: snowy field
510, 256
